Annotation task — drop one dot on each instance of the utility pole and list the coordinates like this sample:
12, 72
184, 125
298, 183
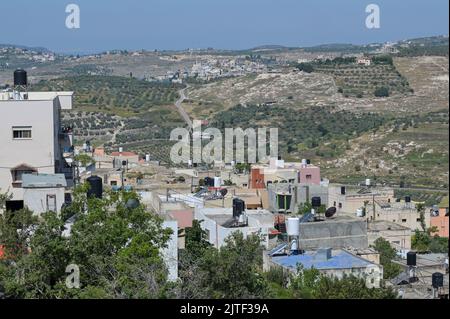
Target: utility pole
373, 205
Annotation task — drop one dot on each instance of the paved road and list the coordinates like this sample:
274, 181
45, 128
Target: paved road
180, 108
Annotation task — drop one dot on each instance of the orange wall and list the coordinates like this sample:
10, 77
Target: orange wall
441, 222
257, 179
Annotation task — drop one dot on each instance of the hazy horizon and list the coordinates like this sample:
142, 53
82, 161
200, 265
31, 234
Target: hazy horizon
220, 24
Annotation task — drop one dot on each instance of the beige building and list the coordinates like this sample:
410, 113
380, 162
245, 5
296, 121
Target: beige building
349, 200
32, 139
398, 236
401, 213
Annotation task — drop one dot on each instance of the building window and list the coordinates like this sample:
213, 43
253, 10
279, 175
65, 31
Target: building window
20, 170
21, 133
51, 203
418, 220
308, 176
403, 220
340, 205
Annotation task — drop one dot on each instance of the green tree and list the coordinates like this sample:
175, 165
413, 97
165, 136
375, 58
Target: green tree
234, 271
381, 92
311, 284
117, 250
305, 67
304, 208
421, 211
84, 160
387, 254
424, 241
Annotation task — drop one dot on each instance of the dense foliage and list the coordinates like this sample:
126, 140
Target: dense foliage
387, 254
113, 91
310, 284
301, 128
426, 242
117, 250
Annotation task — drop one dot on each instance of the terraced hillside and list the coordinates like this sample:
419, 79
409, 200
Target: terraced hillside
118, 111
287, 89
360, 80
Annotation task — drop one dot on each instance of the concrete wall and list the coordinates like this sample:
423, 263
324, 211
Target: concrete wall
36, 198
300, 195
399, 239
43, 151
405, 217
334, 234
441, 222
38, 152
218, 234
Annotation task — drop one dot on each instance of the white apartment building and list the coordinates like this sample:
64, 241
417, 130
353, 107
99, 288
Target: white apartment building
32, 139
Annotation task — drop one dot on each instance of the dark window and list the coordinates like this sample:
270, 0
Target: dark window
17, 174
20, 133
51, 203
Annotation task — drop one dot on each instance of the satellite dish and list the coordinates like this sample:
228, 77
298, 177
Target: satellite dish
223, 192
330, 212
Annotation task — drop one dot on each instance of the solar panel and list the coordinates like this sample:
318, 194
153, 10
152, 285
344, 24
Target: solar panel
278, 249
307, 218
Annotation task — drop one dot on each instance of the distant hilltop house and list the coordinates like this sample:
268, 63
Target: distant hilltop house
364, 61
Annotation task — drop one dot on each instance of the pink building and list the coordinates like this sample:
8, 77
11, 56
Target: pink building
441, 221
309, 174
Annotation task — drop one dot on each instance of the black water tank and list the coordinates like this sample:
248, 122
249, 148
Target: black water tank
342, 190
209, 181
411, 258
316, 202
96, 187
308, 161
408, 199
238, 207
437, 280
20, 77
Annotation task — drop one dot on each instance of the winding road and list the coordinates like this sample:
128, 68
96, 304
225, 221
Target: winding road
180, 108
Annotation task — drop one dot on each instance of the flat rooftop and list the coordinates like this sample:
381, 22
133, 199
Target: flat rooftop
43, 180
340, 259
35, 96
382, 225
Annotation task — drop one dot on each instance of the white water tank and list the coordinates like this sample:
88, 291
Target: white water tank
242, 219
304, 163
293, 226
147, 158
217, 182
368, 182
359, 212
85, 147
120, 149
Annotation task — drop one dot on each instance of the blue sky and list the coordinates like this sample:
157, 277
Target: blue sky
226, 24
